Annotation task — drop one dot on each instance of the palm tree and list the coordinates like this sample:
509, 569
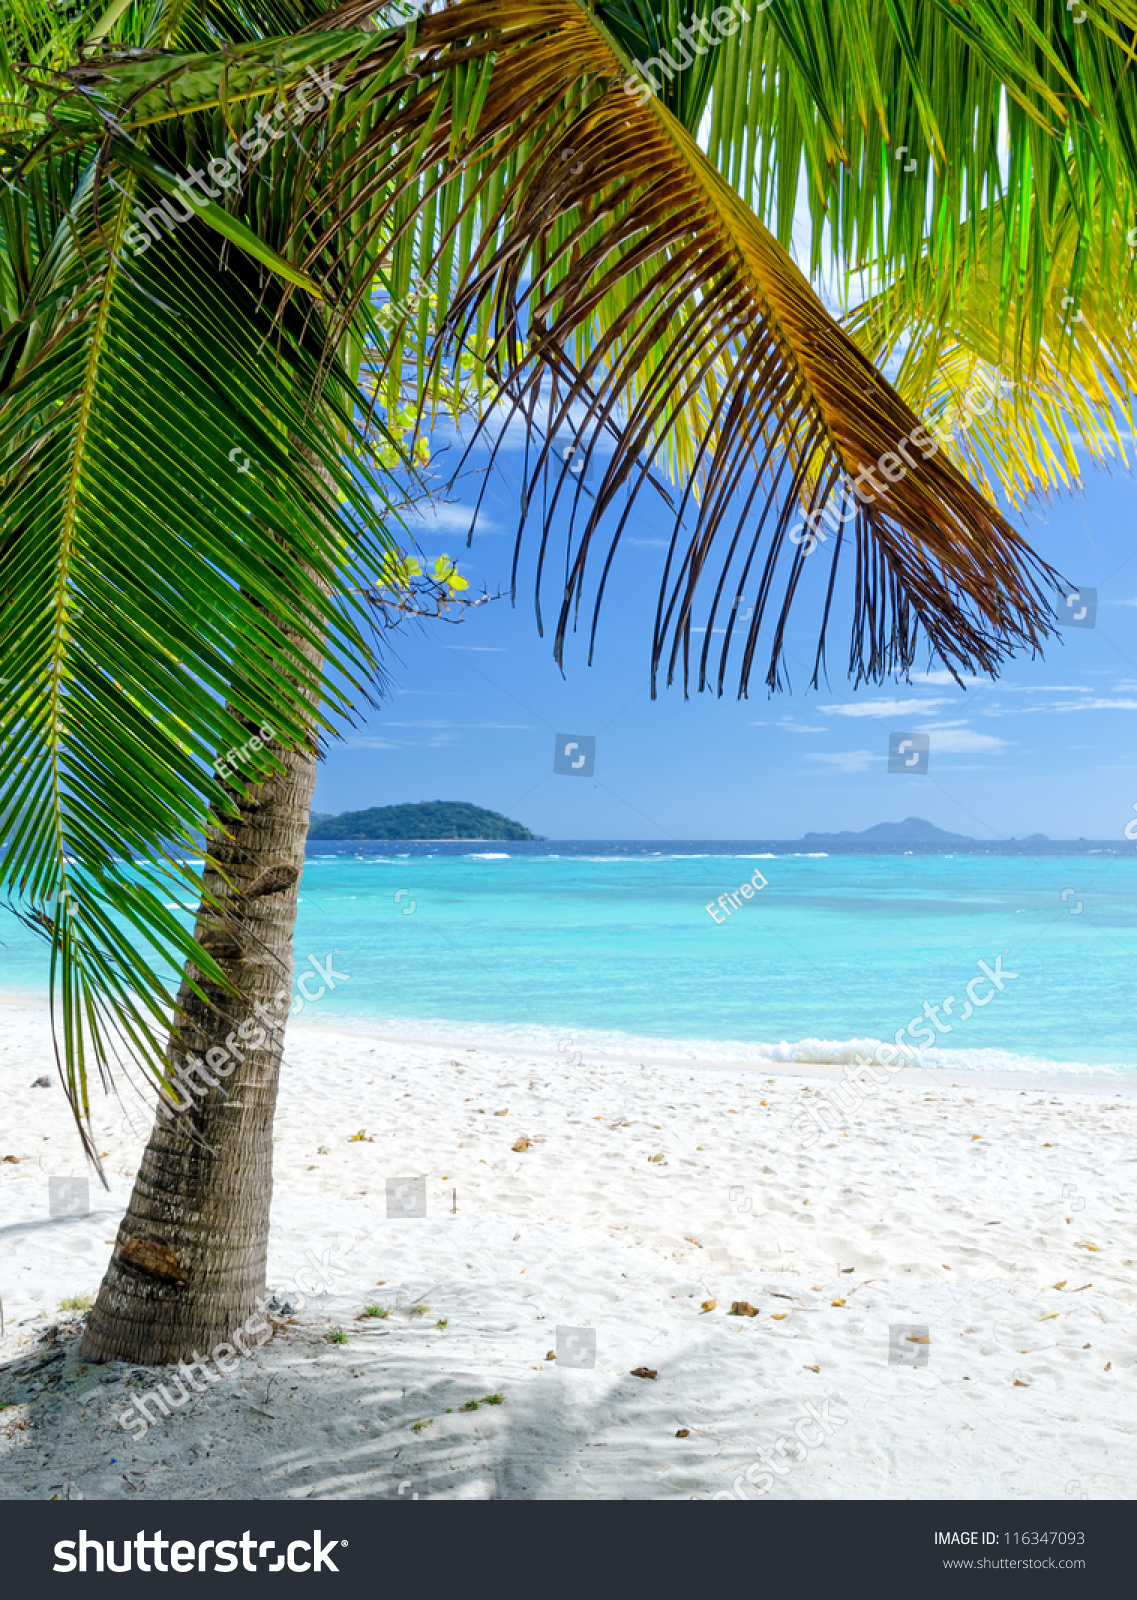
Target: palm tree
202, 204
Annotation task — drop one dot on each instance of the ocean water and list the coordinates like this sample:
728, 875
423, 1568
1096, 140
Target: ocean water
578, 946
570, 946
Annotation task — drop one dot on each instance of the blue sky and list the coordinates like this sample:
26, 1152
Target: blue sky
473, 710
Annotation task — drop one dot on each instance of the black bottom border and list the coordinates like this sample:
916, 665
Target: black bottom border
600, 1546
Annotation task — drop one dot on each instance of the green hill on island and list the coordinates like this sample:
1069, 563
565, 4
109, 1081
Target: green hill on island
430, 819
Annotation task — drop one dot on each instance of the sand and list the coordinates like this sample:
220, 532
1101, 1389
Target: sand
994, 1222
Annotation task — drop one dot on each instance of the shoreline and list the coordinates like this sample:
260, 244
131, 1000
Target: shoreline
579, 1046
1088, 1081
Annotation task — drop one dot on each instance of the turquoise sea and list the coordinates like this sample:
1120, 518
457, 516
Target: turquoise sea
613, 945
578, 945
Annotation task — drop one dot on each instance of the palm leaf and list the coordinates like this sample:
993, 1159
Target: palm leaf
1032, 413
157, 596
895, 121
637, 277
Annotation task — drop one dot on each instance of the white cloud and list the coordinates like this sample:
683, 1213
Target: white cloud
942, 677
850, 760
954, 739
505, 423
1121, 602
451, 519
1066, 706
883, 708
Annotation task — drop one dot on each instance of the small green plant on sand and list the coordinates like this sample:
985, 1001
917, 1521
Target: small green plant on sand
443, 1322
486, 1400
417, 1427
376, 1311
419, 1311
336, 1336
75, 1302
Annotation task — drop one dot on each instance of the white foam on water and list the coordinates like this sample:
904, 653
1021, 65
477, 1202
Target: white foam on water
567, 1043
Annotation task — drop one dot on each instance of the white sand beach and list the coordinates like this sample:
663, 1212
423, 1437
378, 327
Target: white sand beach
997, 1217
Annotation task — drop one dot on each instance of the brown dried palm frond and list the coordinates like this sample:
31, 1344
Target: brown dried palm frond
617, 286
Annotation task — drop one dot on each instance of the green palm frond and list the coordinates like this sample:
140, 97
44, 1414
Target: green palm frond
898, 121
176, 522
1028, 413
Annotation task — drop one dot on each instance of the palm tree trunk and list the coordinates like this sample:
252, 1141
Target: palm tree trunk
189, 1262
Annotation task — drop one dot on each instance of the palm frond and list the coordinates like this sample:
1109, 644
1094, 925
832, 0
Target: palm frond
1026, 415
176, 523
636, 278
898, 122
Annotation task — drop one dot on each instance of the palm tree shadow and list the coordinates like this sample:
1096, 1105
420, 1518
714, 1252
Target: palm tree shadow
560, 1437
374, 1419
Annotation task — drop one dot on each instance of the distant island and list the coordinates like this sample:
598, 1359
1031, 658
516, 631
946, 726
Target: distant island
430, 819
913, 830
